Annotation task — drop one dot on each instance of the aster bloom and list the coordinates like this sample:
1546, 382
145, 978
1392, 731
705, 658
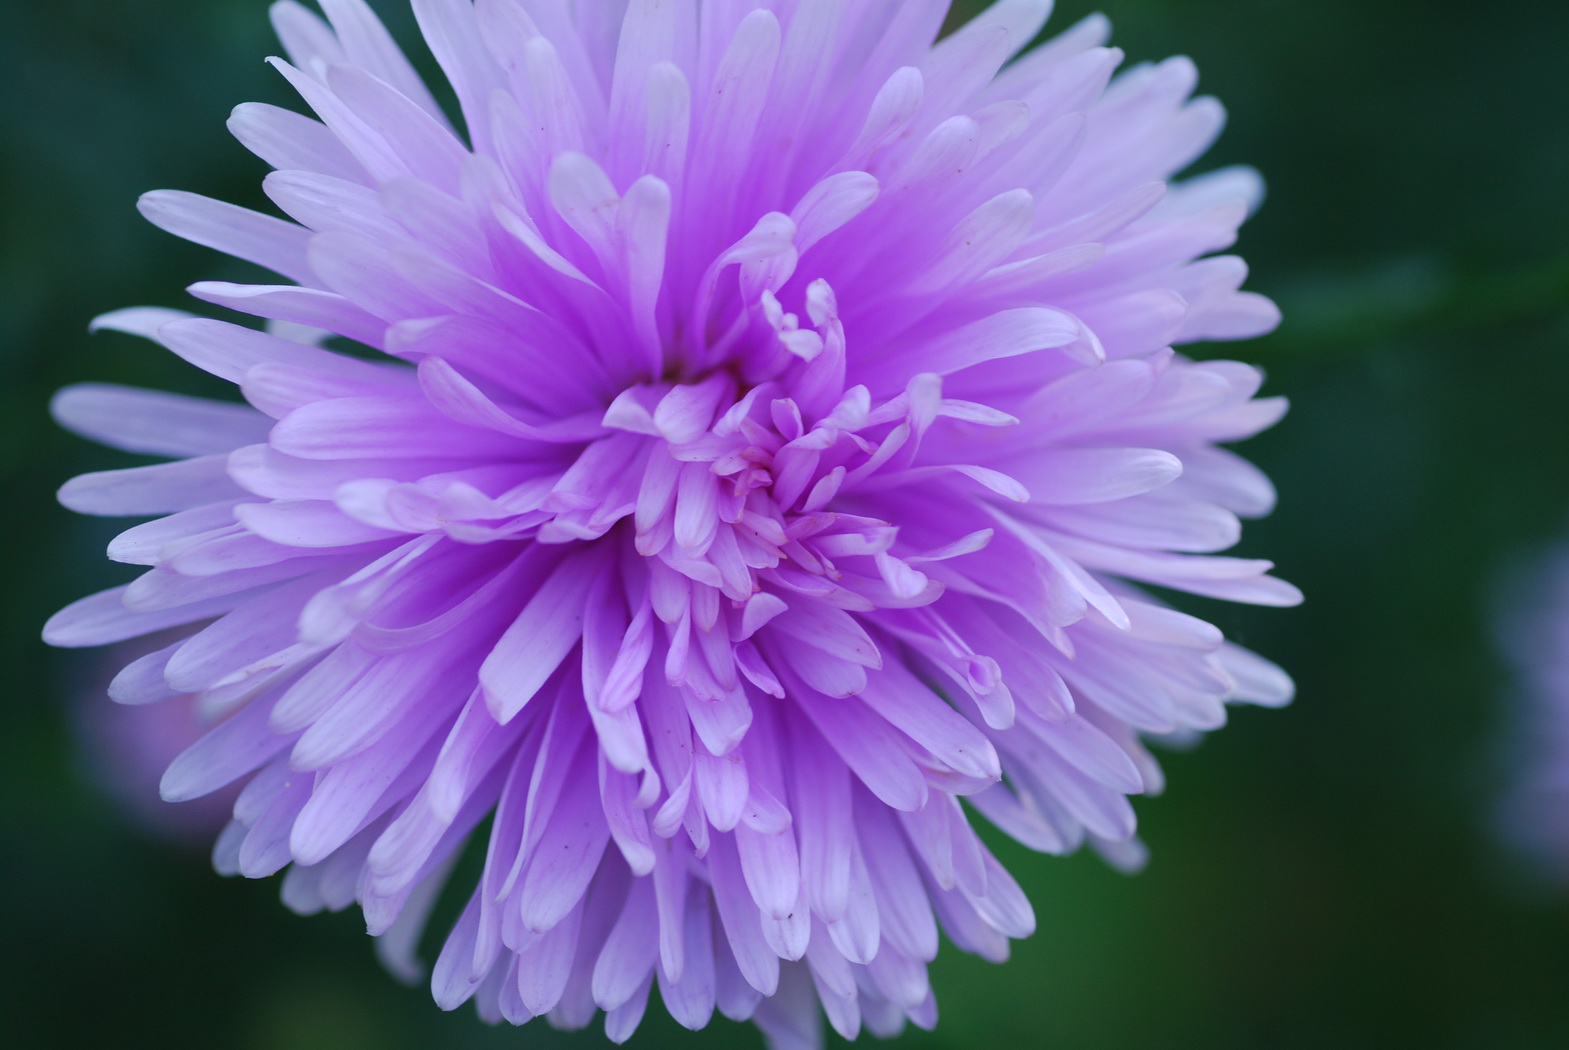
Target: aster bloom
1533, 633
771, 421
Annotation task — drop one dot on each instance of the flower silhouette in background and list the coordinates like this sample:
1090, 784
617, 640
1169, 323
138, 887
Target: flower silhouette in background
123, 750
1533, 633
772, 421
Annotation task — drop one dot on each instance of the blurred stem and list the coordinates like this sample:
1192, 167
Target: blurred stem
1412, 297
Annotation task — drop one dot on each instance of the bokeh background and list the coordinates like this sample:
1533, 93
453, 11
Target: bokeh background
1323, 876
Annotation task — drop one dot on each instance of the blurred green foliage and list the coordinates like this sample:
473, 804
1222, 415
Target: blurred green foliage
1323, 876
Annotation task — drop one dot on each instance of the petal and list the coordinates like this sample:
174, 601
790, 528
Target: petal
268, 242
156, 423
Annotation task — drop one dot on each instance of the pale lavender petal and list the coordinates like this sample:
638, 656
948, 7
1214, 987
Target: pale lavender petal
156, 423
291, 141
272, 243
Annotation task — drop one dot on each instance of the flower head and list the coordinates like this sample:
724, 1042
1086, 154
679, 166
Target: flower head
124, 750
773, 421
1533, 633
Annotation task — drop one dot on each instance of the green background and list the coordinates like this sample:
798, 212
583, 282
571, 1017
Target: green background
1323, 876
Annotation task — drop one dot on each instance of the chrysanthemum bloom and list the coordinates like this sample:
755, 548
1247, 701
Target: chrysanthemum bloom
1534, 634
772, 421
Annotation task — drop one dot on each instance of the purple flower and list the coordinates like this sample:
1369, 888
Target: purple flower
124, 750
773, 421
1533, 633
